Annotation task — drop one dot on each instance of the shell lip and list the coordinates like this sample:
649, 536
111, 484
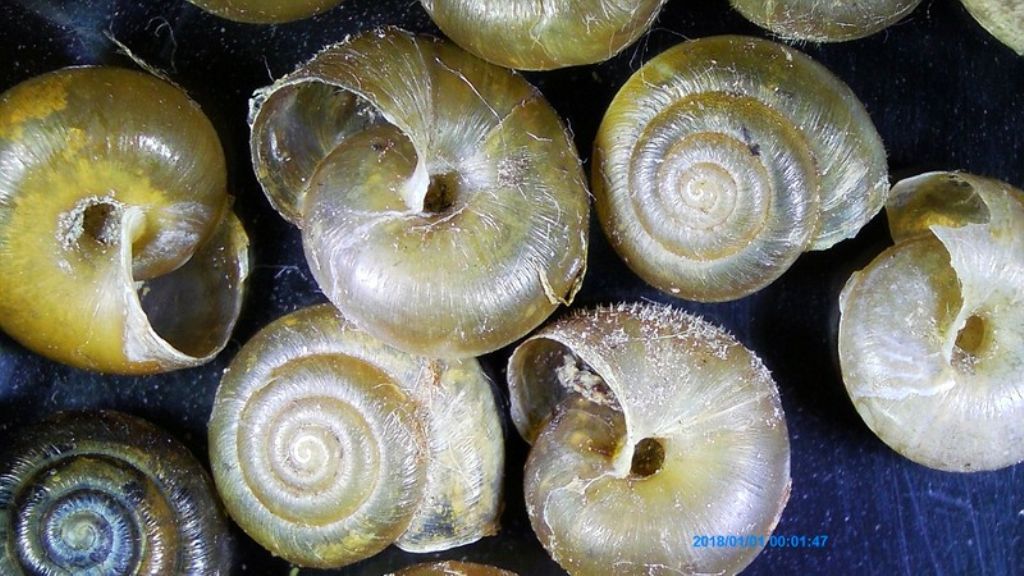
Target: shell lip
142, 343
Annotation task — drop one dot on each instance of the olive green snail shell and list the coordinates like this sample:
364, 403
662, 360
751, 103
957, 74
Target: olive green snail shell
452, 569
723, 159
327, 445
1002, 19
440, 198
265, 11
648, 426
106, 493
530, 35
931, 337
824, 21
113, 210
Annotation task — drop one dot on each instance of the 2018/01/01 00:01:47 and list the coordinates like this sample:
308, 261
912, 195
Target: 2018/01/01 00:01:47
759, 541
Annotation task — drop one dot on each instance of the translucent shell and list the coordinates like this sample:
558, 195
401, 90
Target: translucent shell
106, 493
648, 426
931, 337
266, 11
452, 569
328, 445
824, 21
113, 211
723, 159
1002, 18
530, 35
441, 200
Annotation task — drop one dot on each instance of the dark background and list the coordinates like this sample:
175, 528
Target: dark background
943, 94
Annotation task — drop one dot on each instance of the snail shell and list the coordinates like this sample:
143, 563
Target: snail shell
266, 11
440, 198
328, 445
1003, 19
824, 21
106, 493
113, 210
722, 159
648, 426
450, 568
530, 35
931, 338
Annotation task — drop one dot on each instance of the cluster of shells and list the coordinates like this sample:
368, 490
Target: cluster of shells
444, 214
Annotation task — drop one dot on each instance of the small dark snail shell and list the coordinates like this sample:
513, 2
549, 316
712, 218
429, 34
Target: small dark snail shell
824, 21
723, 159
530, 35
648, 426
103, 493
440, 198
113, 211
1002, 19
266, 11
931, 338
328, 445
451, 568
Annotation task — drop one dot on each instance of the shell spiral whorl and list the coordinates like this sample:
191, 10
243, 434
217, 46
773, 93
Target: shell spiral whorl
105, 493
327, 445
441, 201
723, 159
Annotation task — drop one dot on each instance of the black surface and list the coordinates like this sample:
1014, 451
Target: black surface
943, 94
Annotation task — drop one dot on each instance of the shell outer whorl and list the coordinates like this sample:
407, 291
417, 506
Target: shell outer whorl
636, 373
409, 166
107, 493
824, 21
328, 445
451, 568
947, 392
1002, 19
266, 11
113, 195
527, 35
826, 162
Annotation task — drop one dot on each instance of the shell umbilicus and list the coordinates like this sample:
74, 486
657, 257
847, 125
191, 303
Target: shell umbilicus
931, 338
649, 426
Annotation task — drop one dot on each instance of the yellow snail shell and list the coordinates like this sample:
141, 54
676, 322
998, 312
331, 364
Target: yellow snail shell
114, 211
649, 426
723, 159
440, 198
265, 11
1003, 19
931, 337
450, 568
824, 20
530, 35
327, 445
